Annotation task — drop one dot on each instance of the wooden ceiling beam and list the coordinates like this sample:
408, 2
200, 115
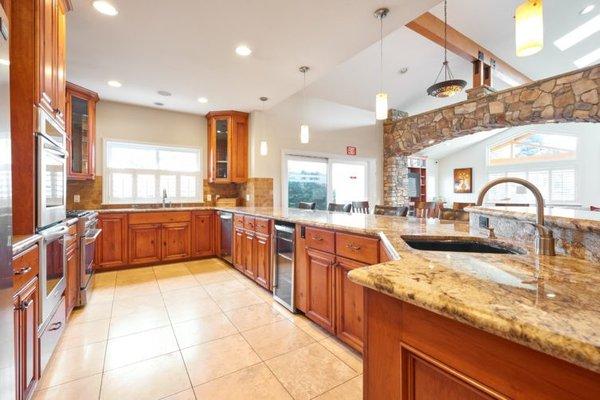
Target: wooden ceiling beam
431, 27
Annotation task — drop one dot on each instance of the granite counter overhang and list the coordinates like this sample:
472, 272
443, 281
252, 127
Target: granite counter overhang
550, 304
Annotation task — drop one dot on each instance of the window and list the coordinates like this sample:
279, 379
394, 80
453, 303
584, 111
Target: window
558, 186
533, 147
139, 173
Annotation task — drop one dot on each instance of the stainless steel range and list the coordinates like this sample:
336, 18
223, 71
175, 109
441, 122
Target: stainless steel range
88, 232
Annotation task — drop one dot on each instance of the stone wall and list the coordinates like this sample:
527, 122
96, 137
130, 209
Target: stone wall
570, 97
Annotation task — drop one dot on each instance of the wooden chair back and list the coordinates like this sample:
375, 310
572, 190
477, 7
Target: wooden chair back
339, 207
391, 210
361, 207
304, 205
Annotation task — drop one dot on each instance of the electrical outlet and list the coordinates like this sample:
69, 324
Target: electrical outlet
484, 222
247, 197
208, 197
76, 198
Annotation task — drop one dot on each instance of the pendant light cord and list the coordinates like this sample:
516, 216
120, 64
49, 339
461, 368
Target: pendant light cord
445, 39
381, 53
304, 98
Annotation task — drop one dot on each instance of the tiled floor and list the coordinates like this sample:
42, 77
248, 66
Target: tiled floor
195, 330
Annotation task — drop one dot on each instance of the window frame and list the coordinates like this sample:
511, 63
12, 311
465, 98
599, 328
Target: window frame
511, 140
107, 174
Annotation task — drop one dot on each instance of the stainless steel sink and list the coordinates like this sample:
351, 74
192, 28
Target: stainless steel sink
464, 245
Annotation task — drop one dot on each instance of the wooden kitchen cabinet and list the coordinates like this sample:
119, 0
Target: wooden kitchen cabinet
203, 233
73, 283
349, 304
252, 248
176, 239
81, 132
238, 249
112, 244
321, 287
249, 254
227, 147
26, 317
145, 243
263, 260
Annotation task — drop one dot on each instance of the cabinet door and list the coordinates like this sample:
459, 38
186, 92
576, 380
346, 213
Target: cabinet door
239, 150
220, 149
320, 289
27, 314
73, 282
48, 53
263, 261
111, 246
203, 234
61, 60
144, 243
349, 304
249, 251
176, 239
238, 249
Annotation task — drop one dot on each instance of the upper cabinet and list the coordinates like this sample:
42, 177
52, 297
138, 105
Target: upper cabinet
81, 132
52, 18
227, 147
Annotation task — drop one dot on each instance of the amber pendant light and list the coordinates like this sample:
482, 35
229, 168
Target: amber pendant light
304, 131
529, 28
381, 98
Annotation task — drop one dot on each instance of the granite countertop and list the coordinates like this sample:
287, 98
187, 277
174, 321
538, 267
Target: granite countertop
551, 304
581, 220
23, 242
152, 209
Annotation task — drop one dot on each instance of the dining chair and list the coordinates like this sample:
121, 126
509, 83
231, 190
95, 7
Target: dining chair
361, 207
594, 208
304, 205
391, 210
339, 207
461, 206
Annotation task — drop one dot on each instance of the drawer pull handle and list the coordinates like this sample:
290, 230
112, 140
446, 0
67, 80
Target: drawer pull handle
26, 304
317, 238
23, 271
55, 326
353, 246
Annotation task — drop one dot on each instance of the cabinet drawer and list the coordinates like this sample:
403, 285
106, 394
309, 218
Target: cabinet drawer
262, 225
238, 221
358, 248
52, 333
249, 223
320, 239
26, 265
159, 217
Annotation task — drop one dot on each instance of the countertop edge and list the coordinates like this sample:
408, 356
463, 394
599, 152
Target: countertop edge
23, 242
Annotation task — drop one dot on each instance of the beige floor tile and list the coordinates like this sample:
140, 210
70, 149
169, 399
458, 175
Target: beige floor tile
185, 310
218, 276
146, 380
133, 273
224, 288
134, 323
200, 330
183, 295
81, 389
205, 266
177, 282
171, 270
254, 316
91, 312
105, 279
141, 346
255, 382
214, 359
84, 333
138, 304
344, 353
235, 300
277, 338
73, 364
102, 295
137, 289
310, 327
351, 390
185, 395
310, 371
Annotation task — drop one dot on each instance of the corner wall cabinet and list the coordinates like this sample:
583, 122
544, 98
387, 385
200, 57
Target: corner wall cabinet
227, 147
81, 132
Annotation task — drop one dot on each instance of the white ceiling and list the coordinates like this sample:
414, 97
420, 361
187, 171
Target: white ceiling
444, 149
187, 47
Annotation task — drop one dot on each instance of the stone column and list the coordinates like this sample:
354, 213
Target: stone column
395, 181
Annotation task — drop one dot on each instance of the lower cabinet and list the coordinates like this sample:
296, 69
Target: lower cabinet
73, 284
112, 244
249, 253
176, 239
203, 231
26, 316
144, 243
252, 248
238, 251
263, 261
349, 304
321, 286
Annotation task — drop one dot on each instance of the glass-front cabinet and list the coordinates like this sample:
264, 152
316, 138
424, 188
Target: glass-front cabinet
227, 147
81, 132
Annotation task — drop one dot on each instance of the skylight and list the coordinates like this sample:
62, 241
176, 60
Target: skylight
588, 59
578, 34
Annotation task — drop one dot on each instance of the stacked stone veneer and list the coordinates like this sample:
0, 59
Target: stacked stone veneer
571, 97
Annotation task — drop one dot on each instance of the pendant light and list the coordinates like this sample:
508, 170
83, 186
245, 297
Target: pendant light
304, 130
529, 28
264, 147
449, 86
381, 98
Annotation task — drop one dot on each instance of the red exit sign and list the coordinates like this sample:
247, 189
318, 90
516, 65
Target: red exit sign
351, 150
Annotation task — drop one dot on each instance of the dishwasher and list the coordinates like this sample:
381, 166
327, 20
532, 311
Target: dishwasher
226, 237
283, 264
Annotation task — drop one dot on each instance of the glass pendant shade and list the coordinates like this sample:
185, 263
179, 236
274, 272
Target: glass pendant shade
264, 148
381, 106
529, 28
304, 134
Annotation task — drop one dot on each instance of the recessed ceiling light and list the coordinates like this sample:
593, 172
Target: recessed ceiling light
202, 100
587, 9
114, 83
403, 70
104, 7
158, 103
588, 59
164, 93
243, 51
578, 34
4, 62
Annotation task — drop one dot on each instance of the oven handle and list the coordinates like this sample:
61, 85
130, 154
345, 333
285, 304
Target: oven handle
50, 236
91, 239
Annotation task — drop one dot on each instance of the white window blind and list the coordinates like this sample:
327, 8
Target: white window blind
139, 173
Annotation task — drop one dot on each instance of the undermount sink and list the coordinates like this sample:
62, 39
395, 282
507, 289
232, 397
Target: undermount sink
466, 245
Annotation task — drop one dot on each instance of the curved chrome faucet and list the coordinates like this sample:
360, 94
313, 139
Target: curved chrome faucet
544, 238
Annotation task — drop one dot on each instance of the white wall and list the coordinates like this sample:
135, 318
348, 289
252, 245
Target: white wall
144, 124
588, 162
332, 127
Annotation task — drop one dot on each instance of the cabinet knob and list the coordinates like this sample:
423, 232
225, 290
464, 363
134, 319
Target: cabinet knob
22, 271
317, 238
353, 246
55, 326
26, 304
